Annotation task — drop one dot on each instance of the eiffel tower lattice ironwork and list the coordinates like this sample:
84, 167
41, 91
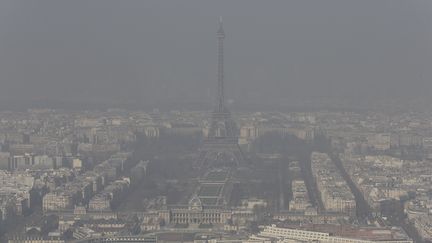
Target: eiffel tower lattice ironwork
221, 146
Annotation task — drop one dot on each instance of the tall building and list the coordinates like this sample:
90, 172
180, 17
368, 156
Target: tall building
221, 146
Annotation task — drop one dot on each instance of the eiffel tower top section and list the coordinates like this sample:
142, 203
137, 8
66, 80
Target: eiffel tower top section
220, 108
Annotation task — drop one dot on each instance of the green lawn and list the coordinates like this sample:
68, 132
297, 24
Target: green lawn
216, 176
208, 190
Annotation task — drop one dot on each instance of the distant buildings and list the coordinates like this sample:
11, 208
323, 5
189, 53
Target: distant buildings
300, 199
329, 233
58, 201
99, 189
334, 191
14, 193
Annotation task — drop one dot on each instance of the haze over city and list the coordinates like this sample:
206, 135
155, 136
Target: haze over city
356, 53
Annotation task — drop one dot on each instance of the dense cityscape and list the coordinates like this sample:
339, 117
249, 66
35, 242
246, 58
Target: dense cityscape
117, 173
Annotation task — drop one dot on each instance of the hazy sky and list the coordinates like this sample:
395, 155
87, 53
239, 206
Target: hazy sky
165, 51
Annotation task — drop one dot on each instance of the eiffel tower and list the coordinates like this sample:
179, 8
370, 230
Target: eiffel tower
221, 147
